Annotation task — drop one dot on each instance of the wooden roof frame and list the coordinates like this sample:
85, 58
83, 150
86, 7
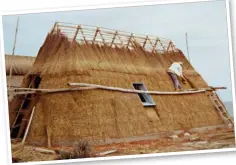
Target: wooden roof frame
110, 37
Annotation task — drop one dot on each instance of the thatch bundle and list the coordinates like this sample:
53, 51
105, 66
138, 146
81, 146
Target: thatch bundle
103, 116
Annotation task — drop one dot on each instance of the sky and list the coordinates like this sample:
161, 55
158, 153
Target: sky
205, 23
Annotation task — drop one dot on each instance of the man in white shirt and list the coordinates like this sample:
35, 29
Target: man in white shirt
176, 70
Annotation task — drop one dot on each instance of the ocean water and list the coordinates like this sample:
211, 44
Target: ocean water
229, 107
231, 112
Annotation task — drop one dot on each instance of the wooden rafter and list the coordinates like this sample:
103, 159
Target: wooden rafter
172, 46
114, 37
131, 36
81, 31
95, 35
122, 43
155, 44
145, 41
76, 33
103, 40
163, 46
150, 41
169, 45
55, 26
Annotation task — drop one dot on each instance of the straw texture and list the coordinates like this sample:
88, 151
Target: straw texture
99, 115
21, 65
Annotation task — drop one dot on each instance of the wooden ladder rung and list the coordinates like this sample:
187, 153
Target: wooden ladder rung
16, 126
221, 110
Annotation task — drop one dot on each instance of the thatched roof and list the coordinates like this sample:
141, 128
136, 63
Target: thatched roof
105, 116
21, 65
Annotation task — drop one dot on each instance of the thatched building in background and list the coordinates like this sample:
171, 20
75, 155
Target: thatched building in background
19, 66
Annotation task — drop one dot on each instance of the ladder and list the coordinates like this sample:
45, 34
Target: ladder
24, 111
20, 110
221, 109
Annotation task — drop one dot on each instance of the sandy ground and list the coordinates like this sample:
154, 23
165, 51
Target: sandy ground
214, 139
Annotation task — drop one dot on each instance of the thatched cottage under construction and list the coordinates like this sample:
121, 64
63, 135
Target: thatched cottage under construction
108, 86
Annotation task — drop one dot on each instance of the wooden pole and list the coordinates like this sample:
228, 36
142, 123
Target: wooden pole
48, 90
131, 36
162, 46
54, 27
103, 40
136, 91
155, 44
121, 42
81, 31
150, 41
13, 50
76, 33
169, 46
95, 35
145, 42
186, 36
49, 135
43, 150
23, 91
28, 126
113, 39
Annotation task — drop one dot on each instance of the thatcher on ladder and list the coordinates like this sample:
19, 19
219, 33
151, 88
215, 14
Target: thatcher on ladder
176, 70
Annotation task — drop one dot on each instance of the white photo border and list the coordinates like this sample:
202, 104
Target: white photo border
118, 5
